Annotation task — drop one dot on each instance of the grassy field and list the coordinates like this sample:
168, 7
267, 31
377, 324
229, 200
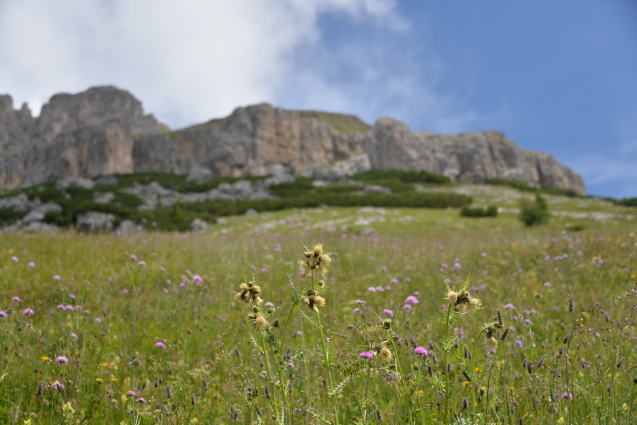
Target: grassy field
147, 328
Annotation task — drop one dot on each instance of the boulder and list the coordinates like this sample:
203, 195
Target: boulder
75, 182
38, 213
199, 174
93, 221
199, 225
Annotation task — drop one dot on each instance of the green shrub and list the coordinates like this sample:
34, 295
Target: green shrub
533, 213
407, 176
468, 211
627, 202
525, 187
9, 216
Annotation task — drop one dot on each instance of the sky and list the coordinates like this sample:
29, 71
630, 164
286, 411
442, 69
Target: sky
555, 76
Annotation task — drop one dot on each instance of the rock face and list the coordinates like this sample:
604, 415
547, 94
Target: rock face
254, 140
104, 131
79, 135
470, 157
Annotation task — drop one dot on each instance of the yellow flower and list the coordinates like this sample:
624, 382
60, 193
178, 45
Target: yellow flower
105, 364
561, 420
99, 380
114, 379
478, 370
45, 359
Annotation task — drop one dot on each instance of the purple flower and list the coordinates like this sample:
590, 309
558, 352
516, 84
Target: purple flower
73, 335
457, 266
57, 385
197, 278
3, 313
379, 289
62, 360
57, 277
141, 400
547, 284
269, 304
421, 350
133, 257
371, 289
98, 320
411, 300
388, 312
359, 301
407, 307
298, 334
357, 311
394, 280
73, 296
444, 266
384, 269
528, 321
16, 299
31, 265
160, 344
14, 258
124, 292
367, 355
509, 306
567, 395
28, 312
132, 393
60, 307
459, 332
519, 342
141, 263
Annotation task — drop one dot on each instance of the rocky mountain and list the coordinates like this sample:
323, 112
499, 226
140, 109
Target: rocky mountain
104, 131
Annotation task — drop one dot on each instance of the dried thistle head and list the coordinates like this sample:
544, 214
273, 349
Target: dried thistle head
258, 319
249, 293
462, 300
313, 300
385, 353
386, 323
316, 259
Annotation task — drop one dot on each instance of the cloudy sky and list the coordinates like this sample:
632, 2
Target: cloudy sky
556, 76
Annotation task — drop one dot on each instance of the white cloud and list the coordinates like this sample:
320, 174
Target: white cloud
189, 61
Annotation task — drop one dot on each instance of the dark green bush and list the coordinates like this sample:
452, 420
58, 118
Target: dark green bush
533, 213
9, 216
525, 187
627, 202
468, 211
407, 176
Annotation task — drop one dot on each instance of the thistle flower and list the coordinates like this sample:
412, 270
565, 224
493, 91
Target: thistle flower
57, 385
313, 300
462, 300
385, 353
316, 259
249, 293
61, 360
367, 355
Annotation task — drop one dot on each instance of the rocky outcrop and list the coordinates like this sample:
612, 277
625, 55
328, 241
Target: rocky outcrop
254, 140
76, 135
104, 130
470, 157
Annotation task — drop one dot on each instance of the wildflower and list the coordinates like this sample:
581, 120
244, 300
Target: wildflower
394, 281
407, 307
566, 395
260, 321
61, 360
269, 304
367, 355
548, 284
528, 321
73, 296
31, 265
3, 313
387, 323
16, 299
45, 359
249, 293
57, 277
141, 263
316, 259
133, 257
99, 380
509, 306
412, 300
421, 350
57, 385
28, 312
371, 289
73, 335
388, 312
197, 278
357, 311
492, 342
298, 334
519, 342
160, 344
114, 379
141, 400
98, 320
131, 393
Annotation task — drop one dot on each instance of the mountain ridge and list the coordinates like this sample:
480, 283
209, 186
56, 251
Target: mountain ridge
104, 130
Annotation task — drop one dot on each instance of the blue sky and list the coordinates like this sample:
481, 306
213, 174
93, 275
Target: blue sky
555, 76
559, 77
